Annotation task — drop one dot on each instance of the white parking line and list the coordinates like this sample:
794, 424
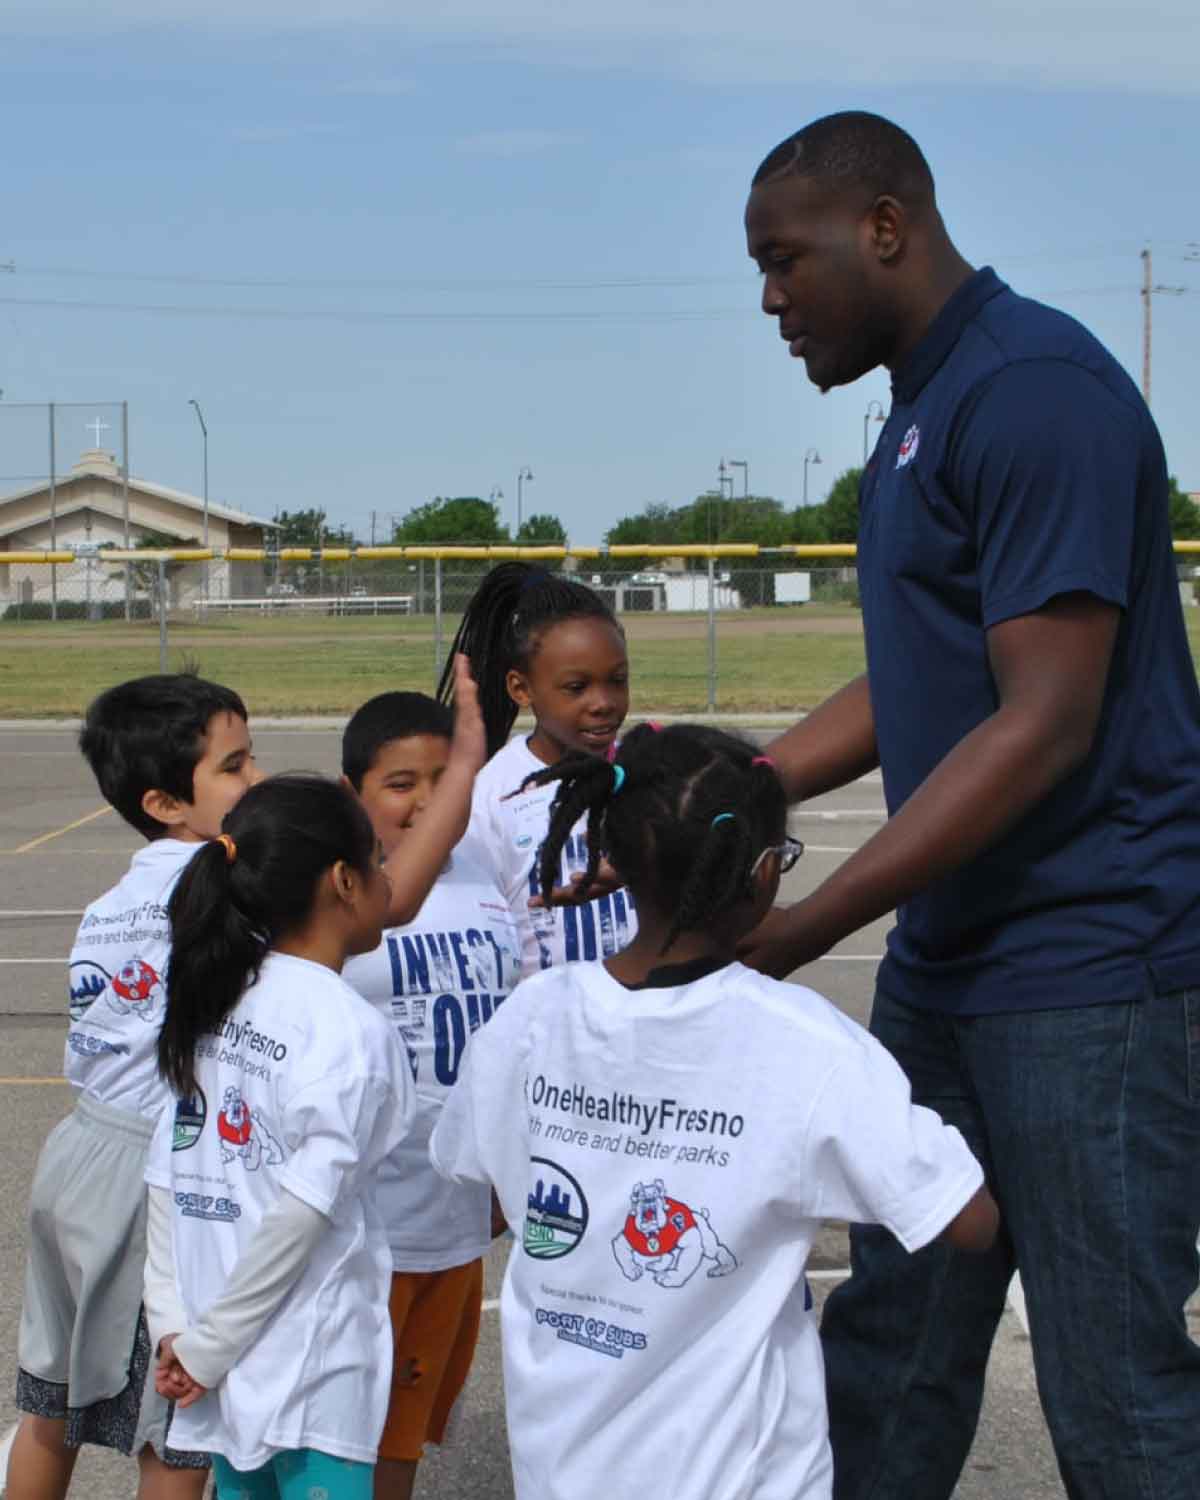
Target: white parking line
839, 815
11, 915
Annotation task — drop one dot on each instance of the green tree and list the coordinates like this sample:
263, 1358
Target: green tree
840, 507
542, 531
310, 528
1184, 513
467, 521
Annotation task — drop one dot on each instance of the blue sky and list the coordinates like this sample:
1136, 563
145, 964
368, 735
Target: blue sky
399, 251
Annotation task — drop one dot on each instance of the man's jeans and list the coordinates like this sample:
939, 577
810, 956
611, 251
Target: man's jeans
1087, 1122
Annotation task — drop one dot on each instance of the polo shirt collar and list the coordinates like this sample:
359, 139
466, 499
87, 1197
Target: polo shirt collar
943, 333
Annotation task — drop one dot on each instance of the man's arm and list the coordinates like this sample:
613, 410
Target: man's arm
1050, 669
833, 745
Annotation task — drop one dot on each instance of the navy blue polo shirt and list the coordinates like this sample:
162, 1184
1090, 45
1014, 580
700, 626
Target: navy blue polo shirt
1019, 463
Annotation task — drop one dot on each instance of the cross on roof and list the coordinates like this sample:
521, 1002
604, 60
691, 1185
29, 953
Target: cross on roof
99, 426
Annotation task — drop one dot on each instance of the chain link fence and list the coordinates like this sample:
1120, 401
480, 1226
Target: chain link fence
691, 597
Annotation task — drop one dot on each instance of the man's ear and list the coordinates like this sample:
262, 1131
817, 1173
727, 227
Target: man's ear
889, 224
164, 808
517, 685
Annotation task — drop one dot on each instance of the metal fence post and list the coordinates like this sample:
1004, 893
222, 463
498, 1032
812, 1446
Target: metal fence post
712, 638
53, 520
162, 615
437, 621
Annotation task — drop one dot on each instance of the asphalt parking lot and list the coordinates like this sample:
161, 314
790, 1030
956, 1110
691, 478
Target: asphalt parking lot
60, 847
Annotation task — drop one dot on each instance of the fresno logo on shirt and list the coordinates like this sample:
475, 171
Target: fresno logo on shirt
667, 1238
190, 1116
909, 444
86, 982
556, 1212
244, 1133
136, 990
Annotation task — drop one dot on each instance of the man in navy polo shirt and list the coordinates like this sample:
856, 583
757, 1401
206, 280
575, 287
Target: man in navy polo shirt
1031, 701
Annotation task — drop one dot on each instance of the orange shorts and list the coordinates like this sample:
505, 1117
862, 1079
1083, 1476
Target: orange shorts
435, 1325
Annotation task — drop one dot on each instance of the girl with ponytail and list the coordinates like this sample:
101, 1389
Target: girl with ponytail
267, 1275
547, 644
670, 1122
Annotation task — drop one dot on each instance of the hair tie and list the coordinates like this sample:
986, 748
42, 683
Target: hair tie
763, 760
618, 779
228, 845
721, 818
655, 725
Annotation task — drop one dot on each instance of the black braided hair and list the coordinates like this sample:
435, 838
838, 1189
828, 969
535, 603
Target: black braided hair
501, 629
663, 829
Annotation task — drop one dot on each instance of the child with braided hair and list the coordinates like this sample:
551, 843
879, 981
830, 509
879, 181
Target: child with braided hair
548, 644
665, 1130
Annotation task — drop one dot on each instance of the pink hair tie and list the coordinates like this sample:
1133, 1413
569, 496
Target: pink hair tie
655, 725
763, 760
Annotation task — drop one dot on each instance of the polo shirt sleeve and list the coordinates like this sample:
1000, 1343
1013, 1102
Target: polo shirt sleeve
1045, 465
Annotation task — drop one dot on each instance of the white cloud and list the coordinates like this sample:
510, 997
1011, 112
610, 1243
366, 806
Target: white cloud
1148, 45
268, 135
516, 142
377, 88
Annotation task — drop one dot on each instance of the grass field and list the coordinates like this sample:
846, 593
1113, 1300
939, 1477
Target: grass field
767, 659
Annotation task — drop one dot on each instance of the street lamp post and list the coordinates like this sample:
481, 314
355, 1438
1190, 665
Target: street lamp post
811, 457
524, 475
204, 434
874, 409
740, 463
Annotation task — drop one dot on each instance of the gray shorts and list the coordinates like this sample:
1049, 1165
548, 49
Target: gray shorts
82, 1346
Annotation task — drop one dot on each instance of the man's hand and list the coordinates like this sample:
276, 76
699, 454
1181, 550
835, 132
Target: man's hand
171, 1380
604, 882
782, 942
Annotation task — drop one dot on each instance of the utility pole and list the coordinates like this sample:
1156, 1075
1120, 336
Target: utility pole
372, 528
1150, 289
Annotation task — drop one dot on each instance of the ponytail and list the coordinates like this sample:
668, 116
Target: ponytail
500, 629
683, 813
241, 893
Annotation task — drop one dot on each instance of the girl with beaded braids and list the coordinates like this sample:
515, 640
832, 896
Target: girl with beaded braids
547, 644
669, 1128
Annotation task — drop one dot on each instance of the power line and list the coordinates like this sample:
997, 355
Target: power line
388, 315
240, 281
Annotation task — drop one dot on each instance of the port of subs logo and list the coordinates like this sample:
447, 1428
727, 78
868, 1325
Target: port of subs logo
556, 1211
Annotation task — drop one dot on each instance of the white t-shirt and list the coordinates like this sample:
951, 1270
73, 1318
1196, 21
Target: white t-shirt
438, 980
117, 984
663, 1158
508, 836
304, 1088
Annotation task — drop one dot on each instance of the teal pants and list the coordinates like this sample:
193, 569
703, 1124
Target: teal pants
304, 1475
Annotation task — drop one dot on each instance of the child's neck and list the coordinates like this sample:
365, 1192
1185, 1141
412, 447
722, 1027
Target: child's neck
317, 945
646, 954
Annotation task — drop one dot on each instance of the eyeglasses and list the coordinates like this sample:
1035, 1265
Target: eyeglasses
789, 852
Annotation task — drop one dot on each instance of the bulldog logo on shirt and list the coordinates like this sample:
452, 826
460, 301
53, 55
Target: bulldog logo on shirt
244, 1133
665, 1237
136, 990
909, 444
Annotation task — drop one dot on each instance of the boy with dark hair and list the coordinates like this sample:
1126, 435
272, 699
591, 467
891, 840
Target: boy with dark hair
439, 977
172, 754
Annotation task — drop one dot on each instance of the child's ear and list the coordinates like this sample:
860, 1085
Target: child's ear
764, 886
348, 784
164, 808
518, 688
345, 881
